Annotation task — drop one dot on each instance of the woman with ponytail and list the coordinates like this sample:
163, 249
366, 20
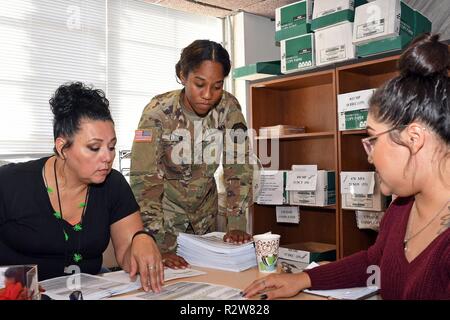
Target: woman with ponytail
409, 145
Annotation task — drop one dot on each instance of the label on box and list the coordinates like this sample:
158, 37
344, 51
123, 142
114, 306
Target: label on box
304, 197
358, 183
356, 100
332, 54
355, 119
271, 187
369, 219
288, 215
359, 200
370, 28
301, 180
293, 254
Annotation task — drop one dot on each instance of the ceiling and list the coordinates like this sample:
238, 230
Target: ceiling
437, 11
223, 8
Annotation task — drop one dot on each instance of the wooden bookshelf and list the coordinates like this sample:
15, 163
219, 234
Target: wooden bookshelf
352, 157
310, 99
303, 100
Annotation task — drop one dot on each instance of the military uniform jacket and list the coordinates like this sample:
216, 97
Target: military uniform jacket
174, 156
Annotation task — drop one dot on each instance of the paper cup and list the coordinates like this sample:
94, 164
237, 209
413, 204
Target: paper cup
266, 247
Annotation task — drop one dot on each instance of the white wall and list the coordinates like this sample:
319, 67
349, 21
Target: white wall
253, 41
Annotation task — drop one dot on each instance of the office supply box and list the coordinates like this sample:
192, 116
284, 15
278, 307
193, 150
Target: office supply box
353, 108
307, 252
412, 24
328, 13
297, 53
256, 71
293, 20
323, 195
334, 44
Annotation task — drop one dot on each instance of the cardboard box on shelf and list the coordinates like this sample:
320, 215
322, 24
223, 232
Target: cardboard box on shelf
256, 71
293, 19
323, 195
297, 53
361, 191
412, 24
334, 44
376, 20
307, 252
328, 13
353, 108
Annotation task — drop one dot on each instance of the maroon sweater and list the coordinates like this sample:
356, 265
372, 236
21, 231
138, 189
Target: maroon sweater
426, 277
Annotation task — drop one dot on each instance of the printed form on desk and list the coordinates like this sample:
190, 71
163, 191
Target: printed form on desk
187, 291
357, 293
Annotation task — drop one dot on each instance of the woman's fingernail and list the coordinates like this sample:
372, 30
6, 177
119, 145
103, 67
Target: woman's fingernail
263, 297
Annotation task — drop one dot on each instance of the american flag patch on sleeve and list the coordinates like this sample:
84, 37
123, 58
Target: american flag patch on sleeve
143, 136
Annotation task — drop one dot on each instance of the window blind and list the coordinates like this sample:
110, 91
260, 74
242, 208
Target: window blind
44, 44
144, 44
127, 48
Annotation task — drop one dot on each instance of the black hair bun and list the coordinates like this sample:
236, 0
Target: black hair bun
66, 98
425, 56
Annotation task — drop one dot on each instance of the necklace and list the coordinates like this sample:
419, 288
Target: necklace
78, 228
406, 240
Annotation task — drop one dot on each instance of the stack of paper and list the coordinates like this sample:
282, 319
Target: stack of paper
211, 251
280, 130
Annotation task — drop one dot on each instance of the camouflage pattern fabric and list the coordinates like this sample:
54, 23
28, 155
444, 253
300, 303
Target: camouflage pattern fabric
174, 156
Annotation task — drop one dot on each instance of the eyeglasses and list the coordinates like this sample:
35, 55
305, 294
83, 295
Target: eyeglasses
369, 142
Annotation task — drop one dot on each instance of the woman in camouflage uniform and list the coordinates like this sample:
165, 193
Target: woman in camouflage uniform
177, 148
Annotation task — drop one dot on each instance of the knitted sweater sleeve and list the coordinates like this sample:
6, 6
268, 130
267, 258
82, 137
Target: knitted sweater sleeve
353, 271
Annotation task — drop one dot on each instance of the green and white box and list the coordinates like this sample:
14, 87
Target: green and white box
353, 108
328, 13
324, 195
297, 53
256, 71
334, 44
361, 191
293, 19
376, 20
309, 186
412, 24
307, 252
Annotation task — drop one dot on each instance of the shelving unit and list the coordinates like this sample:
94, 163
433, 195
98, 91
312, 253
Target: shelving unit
305, 100
310, 99
352, 157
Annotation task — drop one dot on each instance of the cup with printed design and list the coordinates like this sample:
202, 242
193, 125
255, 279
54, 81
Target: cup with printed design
266, 248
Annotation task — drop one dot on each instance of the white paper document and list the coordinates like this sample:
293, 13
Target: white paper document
271, 187
211, 251
169, 274
356, 293
92, 287
357, 182
188, 291
346, 294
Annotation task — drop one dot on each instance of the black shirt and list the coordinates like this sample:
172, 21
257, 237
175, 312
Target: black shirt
30, 233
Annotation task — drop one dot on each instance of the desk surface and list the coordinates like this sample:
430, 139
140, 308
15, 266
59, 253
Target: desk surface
238, 280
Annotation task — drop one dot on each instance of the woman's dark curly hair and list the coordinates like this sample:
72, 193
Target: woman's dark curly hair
73, 102
202, 50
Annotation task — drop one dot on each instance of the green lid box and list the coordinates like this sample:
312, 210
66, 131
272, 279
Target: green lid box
257, 70
328, 13
307, 252
412, 24
297, 53
293, 19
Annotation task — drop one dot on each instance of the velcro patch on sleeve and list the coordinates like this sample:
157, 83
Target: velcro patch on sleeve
143, 135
